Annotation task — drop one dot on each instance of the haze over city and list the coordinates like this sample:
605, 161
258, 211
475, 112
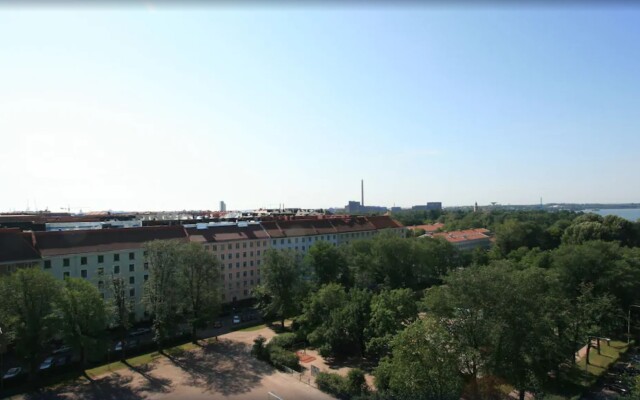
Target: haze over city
154, 108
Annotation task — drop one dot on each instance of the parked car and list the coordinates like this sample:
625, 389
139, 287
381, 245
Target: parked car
62, 350
13, 373
47, 364
237, 319
130, 344
140, 331
614, 387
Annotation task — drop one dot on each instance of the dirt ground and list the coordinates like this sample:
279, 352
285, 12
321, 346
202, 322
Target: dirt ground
218, 370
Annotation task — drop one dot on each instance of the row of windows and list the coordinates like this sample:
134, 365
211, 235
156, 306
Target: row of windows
245, 283
237, 246
84, 259
244, 264
244, 274
244, 254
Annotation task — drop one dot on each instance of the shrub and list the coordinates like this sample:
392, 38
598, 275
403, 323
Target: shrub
356, 383
333, 384
259, 350
284, 340
283, 358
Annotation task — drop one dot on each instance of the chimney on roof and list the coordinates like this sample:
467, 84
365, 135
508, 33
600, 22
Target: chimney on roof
362, 192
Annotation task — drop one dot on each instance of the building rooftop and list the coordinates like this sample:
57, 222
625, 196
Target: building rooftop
16, 247
464, 235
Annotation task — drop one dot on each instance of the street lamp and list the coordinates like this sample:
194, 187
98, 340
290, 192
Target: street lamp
629, 322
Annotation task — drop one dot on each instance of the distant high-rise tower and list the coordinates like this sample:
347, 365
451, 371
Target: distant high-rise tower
223, 206
362, 192
475, 207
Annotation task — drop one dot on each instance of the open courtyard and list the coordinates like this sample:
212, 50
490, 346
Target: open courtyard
222, 369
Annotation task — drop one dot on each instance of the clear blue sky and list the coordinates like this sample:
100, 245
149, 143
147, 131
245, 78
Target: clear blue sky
153, 108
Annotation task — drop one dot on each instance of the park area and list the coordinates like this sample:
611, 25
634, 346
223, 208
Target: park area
215, 368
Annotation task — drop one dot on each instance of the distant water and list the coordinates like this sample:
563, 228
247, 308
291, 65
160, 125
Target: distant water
632, 214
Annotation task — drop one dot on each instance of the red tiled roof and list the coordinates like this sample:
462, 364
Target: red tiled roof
16, 247
96, 240
463, 236
384, 222
428, 227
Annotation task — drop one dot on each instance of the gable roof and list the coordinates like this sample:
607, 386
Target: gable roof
16, 247
97, 240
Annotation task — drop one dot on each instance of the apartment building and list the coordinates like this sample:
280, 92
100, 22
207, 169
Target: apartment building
239, 249
97, 255
468, 239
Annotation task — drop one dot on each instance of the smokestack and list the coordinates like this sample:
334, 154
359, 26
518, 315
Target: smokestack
362, 192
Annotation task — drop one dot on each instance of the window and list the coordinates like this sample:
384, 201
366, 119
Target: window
230, 275
251, 282
146, 266
244, 254
237, 274
65, 275
116, 269
222, 256
65, 262
274, 242
47, 264
244, 245
238, 284
100, 285
230, 256
214, 247
237, 265
222, 268
258, 262
146, 253
83, 260
258, 252
206, 247
146, 278
132, 280
258, 281
100, 271
296, 240
230, 286
237, 245
230, 265
264, 243
132, 292
100, 259
116, 257
132, 256
237, 255
251, 263
244, 263
251, 254
132, 267
83, 273
281, 241
251, 272
229, 246
250, 244
245, 283
289, 241
244, 273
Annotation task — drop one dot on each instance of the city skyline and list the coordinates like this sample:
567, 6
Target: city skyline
178, 109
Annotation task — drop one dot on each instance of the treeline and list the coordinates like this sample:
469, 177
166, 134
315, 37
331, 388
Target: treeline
38, 310
440, 324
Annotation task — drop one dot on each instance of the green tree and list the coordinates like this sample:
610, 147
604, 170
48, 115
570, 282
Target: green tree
28, 296
328, 264
163, 292
283, 284
199, 282
391, 312
119, 308
83, 315
423, 364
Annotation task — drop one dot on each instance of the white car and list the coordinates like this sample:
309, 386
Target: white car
47, 364
236, 319
12, 373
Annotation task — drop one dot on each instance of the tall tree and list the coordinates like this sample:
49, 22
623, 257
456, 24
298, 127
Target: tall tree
200, 286
283, 284
120, 308
391, 312
423, 364
28, 296
83, 315
328, 264
162, 292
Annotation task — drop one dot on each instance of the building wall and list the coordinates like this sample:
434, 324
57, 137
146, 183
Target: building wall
97, 268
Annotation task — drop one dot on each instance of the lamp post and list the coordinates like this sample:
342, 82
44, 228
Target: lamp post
629, 321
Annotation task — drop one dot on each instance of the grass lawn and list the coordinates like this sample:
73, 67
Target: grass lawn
582, 376
139, 360
252, 328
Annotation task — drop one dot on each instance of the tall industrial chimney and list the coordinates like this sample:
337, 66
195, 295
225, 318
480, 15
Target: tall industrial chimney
362, 192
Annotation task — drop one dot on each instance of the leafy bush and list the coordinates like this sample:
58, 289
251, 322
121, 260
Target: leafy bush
333, 384
259, 350
284, 340
353, 385
280, 357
